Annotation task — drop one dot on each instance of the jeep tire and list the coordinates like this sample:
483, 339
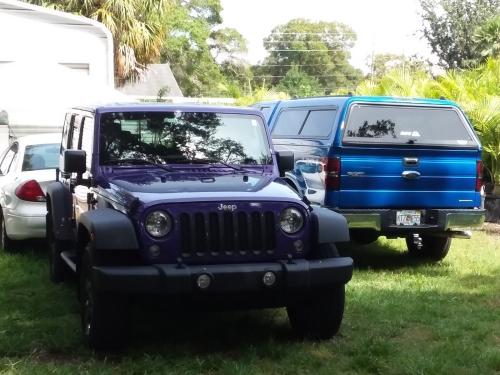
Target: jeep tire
59, 270
319, 316
433, 248
103, 317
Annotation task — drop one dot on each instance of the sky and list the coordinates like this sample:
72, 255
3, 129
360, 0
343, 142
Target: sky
382, 26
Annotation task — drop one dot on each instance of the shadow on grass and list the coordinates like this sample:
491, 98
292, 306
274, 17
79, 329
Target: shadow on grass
382, 256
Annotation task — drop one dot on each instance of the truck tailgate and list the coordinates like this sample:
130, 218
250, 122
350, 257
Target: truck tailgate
380, 178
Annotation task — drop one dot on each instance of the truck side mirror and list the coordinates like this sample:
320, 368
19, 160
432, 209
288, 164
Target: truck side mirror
286, 161
74, 161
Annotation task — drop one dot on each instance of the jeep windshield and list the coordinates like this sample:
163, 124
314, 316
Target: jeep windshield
412, 125
180, 137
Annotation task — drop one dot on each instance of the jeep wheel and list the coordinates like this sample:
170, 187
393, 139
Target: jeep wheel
320, 316
8, 245
59, 270
103, 317
434, 248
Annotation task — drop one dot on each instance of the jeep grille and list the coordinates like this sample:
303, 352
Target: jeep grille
227, 233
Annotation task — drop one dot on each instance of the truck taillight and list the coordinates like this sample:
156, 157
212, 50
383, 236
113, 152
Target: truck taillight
479, 175
332, 173
30, 191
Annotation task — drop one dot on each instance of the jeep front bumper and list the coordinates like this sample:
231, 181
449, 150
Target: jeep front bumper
229, 278
432, 220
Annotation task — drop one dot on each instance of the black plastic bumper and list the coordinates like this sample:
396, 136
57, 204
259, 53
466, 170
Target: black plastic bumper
432, 220
169, 279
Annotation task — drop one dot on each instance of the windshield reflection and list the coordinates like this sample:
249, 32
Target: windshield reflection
170, 137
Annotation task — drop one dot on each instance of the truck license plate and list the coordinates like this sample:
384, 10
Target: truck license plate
408, 218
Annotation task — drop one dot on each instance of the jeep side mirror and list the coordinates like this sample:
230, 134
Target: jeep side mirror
286, 161
74, 161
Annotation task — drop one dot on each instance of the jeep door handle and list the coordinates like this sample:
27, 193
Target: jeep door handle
411, 162
410, 175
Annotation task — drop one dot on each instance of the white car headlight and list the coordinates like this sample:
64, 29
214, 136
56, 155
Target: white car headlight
291, 220
158, 223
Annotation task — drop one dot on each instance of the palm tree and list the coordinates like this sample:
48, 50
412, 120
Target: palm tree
139, 29
487, 38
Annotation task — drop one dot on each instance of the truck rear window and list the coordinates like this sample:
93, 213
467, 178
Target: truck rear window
410, 125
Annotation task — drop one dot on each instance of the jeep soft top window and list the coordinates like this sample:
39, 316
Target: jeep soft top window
305, 123
163, 137
409, 125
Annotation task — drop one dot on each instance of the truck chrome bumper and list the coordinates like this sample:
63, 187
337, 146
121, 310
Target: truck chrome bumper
432, 220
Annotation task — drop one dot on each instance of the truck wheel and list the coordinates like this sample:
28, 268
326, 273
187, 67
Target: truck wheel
59, 270
103, 317
434, 248
8, 245
320, 316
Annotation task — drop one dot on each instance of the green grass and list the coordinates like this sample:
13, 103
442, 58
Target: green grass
402, 317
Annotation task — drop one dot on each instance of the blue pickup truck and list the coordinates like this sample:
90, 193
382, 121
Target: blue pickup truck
394, 167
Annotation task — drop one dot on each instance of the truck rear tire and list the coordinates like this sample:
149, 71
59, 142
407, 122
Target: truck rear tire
433, 248
103, 317
320, 316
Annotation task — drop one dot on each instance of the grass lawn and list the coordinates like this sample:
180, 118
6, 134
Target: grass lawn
402, 317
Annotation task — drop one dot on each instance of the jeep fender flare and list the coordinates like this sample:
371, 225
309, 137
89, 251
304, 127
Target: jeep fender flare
109, 229
291, 180
59, 206
328, 226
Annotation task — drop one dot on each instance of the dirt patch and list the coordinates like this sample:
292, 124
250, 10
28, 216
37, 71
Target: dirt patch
490, 228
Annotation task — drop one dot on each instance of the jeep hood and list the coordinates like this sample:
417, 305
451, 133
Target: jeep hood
152, 188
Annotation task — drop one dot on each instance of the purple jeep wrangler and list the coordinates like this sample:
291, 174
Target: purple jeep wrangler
185, 204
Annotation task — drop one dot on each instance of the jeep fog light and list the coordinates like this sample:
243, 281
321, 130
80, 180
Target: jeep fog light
203, 281
291, 220
298, 246
269, 278
154, 251
158, 224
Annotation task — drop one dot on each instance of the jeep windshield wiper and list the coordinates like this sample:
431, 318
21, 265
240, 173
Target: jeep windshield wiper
165, 167
209, 161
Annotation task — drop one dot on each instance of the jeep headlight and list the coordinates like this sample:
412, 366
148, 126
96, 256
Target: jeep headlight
291, 220
158, 223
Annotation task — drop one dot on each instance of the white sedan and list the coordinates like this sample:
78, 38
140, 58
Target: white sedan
27, 167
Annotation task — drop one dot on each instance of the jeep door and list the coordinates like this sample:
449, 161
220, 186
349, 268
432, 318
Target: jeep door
408, 155
78, 135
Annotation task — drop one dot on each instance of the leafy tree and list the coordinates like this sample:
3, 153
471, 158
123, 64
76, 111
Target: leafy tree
381, 64
197, 45
139, 29
320, 49
297, 82
186, 48
487, 38
449, 27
